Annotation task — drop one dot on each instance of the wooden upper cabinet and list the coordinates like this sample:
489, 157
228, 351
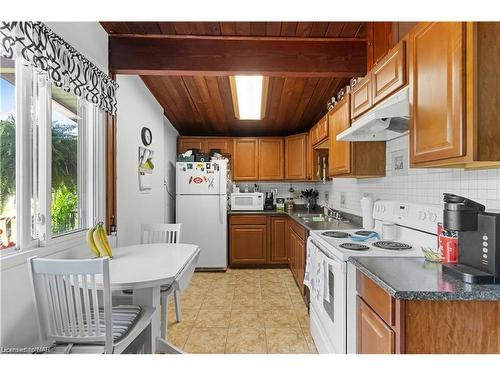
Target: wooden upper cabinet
389, 74
339, 157
309, 157
225, 145
319, 132
374, 336
436, 69
190, 143
361, 96
245, 159
271, 154
296, 157
380, 40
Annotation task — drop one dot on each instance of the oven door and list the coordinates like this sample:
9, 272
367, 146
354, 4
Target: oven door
329, 326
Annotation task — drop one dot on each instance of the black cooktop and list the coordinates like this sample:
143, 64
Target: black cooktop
364, 232
335, 234
354, 246
391, 245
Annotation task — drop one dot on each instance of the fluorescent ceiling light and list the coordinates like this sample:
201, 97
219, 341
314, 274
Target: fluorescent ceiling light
249, 96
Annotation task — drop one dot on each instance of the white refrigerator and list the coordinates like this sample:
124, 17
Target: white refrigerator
201, 208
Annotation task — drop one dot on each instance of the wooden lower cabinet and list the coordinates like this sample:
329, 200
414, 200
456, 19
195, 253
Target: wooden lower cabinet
257, 240
374, 336
386, 325
248, 244
278, 253
296, 243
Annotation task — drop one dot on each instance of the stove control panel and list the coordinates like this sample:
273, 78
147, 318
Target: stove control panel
419, 216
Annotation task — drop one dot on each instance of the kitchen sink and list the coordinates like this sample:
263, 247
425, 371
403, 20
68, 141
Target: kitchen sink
313, 217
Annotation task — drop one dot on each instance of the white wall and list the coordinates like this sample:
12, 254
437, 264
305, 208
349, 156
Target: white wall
421, 185
137, 108
170, 155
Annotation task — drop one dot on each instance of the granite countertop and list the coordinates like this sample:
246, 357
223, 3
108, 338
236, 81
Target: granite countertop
410, 278
295, 214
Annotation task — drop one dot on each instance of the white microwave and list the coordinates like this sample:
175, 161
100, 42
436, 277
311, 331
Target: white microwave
247, 201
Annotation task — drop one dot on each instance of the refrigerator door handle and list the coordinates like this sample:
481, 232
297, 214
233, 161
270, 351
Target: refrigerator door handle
220, 200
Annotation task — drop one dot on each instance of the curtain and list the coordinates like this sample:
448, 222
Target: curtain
66, 68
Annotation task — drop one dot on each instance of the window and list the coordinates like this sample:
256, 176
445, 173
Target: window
52, 160
66, 211
8, 213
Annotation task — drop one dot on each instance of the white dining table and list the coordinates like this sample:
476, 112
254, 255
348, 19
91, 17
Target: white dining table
144, 268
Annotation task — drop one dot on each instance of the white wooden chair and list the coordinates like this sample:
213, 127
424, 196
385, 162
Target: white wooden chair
165, 233
70, 312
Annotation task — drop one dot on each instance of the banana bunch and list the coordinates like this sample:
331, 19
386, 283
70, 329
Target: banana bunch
98, 241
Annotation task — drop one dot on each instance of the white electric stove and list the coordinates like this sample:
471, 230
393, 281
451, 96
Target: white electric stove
333, 319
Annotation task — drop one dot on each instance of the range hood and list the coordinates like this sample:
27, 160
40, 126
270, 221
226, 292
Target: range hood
386, 121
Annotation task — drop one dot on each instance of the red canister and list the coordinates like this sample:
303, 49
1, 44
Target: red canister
448, 244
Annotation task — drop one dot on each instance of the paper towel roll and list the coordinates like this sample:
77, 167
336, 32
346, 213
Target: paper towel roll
367, 212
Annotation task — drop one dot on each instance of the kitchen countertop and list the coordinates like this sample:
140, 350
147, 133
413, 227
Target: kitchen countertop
408, 278
296, 213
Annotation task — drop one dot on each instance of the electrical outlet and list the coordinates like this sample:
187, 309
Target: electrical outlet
342, 199
327, 198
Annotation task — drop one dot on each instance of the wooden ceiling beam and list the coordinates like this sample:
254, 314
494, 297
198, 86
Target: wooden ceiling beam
224, 56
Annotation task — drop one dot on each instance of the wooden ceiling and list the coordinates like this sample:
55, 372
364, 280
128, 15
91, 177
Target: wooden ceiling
200, 103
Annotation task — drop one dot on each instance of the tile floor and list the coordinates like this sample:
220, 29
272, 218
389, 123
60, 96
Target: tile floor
242, 311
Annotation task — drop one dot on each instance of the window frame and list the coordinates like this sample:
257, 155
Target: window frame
33, 100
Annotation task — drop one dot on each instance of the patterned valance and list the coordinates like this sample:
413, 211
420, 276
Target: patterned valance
41, 47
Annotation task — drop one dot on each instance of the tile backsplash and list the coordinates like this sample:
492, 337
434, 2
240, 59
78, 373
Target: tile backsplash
420, 185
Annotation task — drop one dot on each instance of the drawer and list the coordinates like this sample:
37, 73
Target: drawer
298, 229
377, 298
248, 219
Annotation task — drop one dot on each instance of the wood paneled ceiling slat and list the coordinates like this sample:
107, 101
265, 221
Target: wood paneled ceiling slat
202, 105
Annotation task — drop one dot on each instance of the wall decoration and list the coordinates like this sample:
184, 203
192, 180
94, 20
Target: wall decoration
145, 169
66, 67
146, 136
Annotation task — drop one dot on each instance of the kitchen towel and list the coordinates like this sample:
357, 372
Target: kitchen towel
314, 277
367, 212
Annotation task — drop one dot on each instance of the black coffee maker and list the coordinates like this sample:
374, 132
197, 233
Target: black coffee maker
269, 201
478, 240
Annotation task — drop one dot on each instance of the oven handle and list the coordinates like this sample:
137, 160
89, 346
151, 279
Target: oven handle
337, 263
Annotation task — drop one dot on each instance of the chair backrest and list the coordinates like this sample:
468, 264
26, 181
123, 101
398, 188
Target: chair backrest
160, 233
66, 300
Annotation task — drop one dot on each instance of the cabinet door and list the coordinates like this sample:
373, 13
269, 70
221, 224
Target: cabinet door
322, 129
271, 163
380, 37
309, 161
389, 74
279, 254
225, 145
339, 157
245, 159
290, 244
436, 68
248, 244
300, 255
361, 97
374, 336
296, 157
189, 143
